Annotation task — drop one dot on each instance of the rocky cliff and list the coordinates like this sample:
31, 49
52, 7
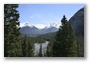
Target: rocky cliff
77, 22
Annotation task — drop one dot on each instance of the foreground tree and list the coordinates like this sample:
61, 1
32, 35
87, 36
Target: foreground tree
65, 44
12, 43
40, 51
30, 49
47, 52
27, 47
24, 47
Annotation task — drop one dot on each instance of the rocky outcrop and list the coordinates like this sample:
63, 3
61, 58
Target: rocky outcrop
77, 22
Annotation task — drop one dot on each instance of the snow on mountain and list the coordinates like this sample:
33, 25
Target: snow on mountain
28, 28
56, 25
26, 24
40, 26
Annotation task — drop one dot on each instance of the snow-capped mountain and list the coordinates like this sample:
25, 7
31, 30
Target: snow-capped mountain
26, 24
40, 26
28, 28
56, 25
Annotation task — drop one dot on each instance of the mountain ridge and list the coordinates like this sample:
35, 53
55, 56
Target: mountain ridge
40, 26
77, 22
28, 29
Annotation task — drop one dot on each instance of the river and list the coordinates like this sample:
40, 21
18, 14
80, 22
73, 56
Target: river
37, 48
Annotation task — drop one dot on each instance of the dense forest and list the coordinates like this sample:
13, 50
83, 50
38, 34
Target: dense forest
63, 43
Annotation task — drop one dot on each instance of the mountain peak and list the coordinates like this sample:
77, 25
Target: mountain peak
40, 26
28, 28
26, 24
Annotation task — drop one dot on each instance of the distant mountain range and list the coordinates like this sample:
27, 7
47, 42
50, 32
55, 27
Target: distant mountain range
76, 21
34, 29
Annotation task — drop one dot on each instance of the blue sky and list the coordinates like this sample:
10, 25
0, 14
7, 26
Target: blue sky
46, 13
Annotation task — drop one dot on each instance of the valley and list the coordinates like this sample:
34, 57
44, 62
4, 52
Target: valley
43, 30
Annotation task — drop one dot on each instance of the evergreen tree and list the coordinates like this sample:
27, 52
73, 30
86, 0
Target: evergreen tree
48, 52
65, 44
24, 46
12, 43
40, 51
30, 49
27, 47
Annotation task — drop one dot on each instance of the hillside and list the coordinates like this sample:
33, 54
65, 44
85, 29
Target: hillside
48, 36
77, 23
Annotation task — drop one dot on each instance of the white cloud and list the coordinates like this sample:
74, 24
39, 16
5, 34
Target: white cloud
31, 17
